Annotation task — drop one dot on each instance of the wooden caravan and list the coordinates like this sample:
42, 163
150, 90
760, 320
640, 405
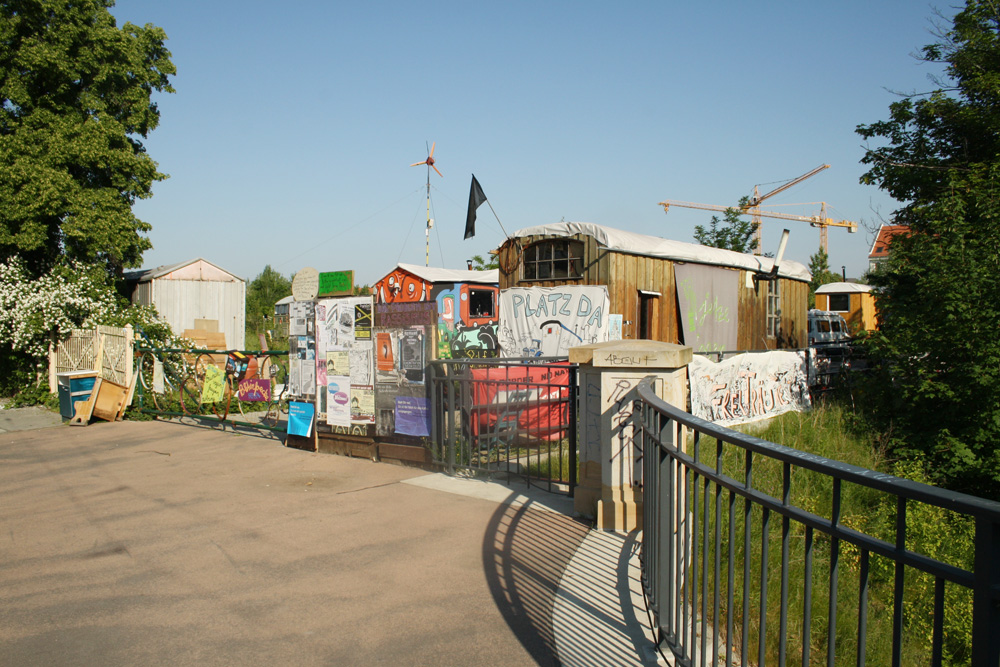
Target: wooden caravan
853, 301
709, 298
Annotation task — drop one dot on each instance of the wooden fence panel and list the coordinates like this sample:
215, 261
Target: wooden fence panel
79, 352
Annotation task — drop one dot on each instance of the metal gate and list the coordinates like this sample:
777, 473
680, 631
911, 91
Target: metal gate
508, 416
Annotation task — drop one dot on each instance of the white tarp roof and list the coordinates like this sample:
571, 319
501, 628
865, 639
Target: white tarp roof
436, 275
841, 288
654, 246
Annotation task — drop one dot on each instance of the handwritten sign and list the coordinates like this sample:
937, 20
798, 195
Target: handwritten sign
254, 390
305, 284
215, 385
336, 283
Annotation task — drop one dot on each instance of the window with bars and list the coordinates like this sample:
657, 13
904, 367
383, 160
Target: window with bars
773, 309
552, 260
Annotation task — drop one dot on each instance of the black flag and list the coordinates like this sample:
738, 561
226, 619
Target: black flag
476, 199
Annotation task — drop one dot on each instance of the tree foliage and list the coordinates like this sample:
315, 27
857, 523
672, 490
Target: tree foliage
75, 104
733, 232
479, 263
264, 291
819, 267
938, 351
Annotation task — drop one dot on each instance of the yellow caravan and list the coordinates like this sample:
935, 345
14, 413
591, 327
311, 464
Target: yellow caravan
854, 301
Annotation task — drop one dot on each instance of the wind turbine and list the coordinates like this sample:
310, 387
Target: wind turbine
430, 223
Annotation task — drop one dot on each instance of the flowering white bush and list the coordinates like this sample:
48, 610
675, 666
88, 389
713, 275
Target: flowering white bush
35, 312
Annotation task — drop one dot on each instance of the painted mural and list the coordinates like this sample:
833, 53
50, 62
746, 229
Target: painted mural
547, 321
467, 312
467, 321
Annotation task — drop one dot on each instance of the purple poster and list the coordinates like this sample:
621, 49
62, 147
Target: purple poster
412, 416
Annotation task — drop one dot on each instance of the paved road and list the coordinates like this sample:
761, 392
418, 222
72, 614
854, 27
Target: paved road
145, 543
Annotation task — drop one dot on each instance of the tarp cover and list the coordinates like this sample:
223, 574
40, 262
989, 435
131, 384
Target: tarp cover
531, 399
709, 302
654, 246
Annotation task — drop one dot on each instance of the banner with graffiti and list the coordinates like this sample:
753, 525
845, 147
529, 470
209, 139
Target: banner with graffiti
548, 321
748, 387
708, 300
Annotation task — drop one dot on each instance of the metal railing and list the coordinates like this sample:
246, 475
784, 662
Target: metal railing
510, 416
721, 589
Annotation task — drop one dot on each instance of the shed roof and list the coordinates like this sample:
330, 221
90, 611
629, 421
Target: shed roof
654, 246
841, 288
214, 272
437, 275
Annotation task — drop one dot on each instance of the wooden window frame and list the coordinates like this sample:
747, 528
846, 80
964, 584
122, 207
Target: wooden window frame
553, 259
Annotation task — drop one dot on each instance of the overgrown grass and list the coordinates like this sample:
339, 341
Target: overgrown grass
830, 432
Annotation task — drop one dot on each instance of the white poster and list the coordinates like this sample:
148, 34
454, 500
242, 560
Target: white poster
548, 321
338, 403
748, 387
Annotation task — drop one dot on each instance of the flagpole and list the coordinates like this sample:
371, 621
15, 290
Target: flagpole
498, 219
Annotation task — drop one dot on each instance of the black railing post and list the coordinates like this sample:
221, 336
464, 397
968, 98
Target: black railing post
574, 394
985, 610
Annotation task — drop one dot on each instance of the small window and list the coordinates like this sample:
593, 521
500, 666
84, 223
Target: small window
773, 309
840, 303
553, 260
481, 303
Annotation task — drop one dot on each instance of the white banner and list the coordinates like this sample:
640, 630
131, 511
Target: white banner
547, 321
748, 387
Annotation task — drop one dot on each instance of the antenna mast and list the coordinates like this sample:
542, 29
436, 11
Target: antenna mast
430, 223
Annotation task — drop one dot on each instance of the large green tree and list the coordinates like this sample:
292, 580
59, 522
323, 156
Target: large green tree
75, 104
938, 349
732, 232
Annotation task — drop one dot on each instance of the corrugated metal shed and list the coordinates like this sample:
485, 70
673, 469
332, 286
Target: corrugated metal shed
194, 293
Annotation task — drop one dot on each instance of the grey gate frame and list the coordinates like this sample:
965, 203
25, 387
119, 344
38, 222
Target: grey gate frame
511, 416
679, 490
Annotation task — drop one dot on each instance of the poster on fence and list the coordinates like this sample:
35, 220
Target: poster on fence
748, 387
547, 321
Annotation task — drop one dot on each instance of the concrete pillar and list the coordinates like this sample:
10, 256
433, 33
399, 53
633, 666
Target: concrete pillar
610, 472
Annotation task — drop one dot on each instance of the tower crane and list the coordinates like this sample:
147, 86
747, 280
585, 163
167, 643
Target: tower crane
752, 208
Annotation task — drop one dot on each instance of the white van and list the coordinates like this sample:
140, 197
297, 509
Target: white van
827, 328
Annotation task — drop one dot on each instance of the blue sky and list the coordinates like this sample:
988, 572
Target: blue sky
289, 139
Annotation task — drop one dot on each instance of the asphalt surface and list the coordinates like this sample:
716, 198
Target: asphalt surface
146, 543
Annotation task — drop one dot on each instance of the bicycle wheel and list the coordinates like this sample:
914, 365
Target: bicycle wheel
189, 394
144, 367
221, 408
202, 362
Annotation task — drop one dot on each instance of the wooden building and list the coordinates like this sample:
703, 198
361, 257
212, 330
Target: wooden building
667, 290
854, 301
193, 295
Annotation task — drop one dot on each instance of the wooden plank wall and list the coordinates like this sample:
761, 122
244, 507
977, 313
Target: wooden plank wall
626, 274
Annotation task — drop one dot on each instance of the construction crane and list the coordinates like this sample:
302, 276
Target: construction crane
752, 208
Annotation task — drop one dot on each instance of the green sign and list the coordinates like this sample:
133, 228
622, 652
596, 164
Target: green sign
336, 283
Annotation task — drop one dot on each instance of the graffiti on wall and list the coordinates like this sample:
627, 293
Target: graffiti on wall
749, 387
547, 321
467, 321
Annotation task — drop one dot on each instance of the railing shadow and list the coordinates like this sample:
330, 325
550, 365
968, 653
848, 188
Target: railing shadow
525, 552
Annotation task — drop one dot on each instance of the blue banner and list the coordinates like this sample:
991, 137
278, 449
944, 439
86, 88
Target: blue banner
412, 416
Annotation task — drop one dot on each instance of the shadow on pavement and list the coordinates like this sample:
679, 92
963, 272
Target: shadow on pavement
525, 552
